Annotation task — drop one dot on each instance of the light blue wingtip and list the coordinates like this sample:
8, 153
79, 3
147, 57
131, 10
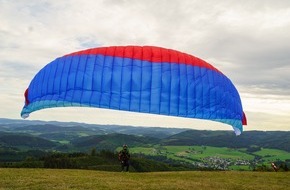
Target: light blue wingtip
24, 116
237, 131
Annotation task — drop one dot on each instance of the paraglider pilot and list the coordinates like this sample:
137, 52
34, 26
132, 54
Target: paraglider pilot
274, 166
124, 157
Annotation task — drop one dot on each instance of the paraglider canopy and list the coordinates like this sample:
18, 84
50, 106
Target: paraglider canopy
142, 79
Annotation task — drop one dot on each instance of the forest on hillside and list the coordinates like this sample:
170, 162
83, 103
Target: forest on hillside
86, 146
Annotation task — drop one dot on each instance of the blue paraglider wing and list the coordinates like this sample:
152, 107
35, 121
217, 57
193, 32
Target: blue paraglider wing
139, 79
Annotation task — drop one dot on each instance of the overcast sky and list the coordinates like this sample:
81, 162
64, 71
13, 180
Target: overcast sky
248, 41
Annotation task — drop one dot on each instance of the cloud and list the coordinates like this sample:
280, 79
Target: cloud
248, 41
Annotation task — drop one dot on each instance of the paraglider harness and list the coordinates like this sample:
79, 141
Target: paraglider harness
124, 157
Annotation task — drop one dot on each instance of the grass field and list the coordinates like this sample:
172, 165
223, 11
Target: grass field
193, 152
89, 179
273, 154
199, 152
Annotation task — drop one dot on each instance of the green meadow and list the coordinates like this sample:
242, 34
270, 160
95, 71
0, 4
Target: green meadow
194, 152
273, 154
239, 158
90, 179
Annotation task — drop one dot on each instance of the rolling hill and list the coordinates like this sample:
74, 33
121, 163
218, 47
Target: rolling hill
25, 140
112, 141
80, 135
15, 125
270, 139
175, 147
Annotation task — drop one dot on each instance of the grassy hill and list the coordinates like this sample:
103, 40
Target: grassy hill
14, 125
24, 141
89, 179
65, 132
270, 139
218, 158
112, 141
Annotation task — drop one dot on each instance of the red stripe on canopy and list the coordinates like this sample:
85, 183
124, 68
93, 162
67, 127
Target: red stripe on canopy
147, 53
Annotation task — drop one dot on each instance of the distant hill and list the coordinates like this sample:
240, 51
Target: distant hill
112, 141
81, 136
51, 128
270, 139
15, 125
24, 140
